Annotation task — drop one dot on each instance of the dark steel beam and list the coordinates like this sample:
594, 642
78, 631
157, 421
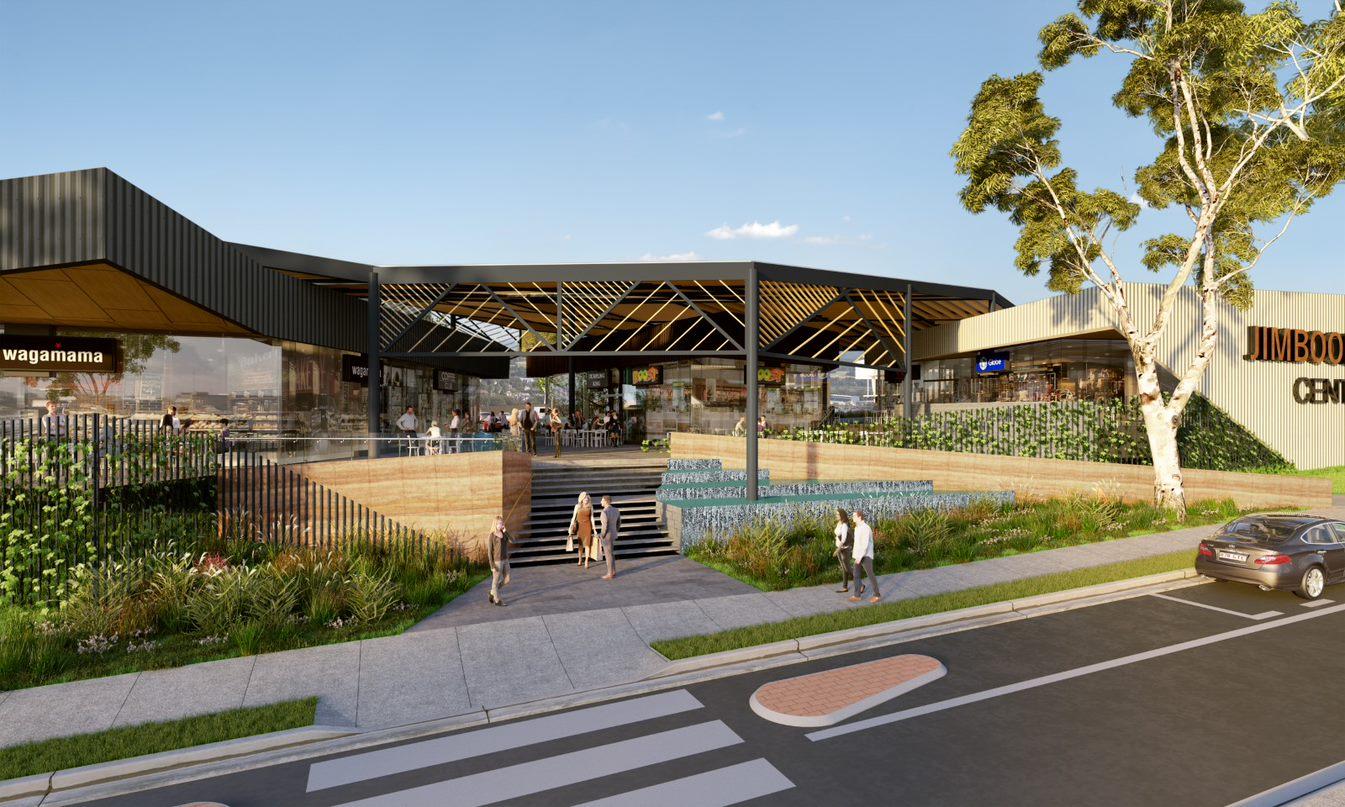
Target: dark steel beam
651, 271
375, 377
424, 312
753, 405
502, 304
907, 383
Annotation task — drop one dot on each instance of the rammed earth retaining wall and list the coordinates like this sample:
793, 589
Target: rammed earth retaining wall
1025, 476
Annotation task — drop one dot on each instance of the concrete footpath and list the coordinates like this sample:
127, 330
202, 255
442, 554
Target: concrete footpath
462, 666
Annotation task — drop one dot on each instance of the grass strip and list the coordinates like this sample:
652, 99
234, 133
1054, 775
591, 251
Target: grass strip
904, 609
63, 753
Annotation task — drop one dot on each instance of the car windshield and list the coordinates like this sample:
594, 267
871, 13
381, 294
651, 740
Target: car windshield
1263, 529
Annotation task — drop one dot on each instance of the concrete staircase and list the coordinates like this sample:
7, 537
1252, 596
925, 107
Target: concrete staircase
631, 482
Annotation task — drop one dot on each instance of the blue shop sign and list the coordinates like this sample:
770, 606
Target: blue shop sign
992, 363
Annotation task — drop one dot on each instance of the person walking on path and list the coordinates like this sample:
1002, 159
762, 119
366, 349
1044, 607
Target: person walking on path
863, 557
608, 527
527, 420
557, 426
845, 545
581, 527
497, 554
454, 428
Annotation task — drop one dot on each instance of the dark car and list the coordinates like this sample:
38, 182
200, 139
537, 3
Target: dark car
1298, 553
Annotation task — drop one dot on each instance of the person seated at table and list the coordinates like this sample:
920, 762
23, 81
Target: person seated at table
432, 438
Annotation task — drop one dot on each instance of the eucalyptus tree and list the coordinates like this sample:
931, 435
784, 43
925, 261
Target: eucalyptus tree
1248, 113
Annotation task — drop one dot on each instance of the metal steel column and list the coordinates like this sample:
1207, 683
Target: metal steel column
573, 406
907, 383
750, 337
375, 374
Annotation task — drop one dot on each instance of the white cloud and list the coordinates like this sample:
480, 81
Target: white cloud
831, 240
739, 132
1136, 199
715, 116
754, 230
676, 256
567, 237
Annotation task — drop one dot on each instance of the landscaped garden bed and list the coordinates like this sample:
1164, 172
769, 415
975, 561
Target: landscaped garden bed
816, 624
780, 554
64, 753
167, 608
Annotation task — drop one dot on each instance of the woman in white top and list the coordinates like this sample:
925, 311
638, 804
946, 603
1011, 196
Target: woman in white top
516, 427
432, 438
863, 556
845, 544
454, 426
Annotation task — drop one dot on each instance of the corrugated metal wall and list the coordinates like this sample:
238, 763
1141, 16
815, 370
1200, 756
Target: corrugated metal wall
52, 219
1257, 394
95, 215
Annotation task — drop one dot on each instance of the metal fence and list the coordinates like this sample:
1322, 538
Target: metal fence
80, 491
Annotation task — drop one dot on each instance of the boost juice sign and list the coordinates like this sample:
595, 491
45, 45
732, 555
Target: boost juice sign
59, 354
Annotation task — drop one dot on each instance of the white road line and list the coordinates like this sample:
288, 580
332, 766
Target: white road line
402, 758
1111, 664
1260, 616
718, 788
527, 778
1316, 603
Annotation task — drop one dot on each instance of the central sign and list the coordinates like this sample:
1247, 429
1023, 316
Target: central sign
59, 354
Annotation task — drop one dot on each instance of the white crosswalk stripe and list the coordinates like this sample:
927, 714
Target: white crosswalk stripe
527, 778
457, 747
717, 788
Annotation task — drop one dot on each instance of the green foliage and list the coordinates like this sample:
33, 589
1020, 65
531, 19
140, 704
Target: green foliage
813, 625
173, 608
247, 637
372, 593
150, 738
1102, 431
1240, 146
780, 555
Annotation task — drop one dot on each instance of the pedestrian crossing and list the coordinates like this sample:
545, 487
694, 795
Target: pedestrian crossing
471, 786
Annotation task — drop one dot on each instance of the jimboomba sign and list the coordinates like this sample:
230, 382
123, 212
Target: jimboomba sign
1295, 345
59, 354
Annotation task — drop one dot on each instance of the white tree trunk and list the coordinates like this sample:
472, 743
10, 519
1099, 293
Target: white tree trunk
1160, 425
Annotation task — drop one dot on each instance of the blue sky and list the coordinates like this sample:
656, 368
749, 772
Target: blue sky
437, 132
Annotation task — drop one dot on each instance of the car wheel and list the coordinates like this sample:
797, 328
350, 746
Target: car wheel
1313, 583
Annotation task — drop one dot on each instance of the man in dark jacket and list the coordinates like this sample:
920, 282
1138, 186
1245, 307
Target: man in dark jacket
609, 524
527, 420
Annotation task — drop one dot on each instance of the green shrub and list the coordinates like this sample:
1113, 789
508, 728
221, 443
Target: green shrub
247, 637
29, 648
214, 606
371, 594
272, 598
323, 607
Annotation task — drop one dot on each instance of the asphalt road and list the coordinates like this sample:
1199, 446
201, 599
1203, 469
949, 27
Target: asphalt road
1155, 721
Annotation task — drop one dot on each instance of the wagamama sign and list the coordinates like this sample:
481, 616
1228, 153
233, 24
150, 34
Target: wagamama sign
59, 354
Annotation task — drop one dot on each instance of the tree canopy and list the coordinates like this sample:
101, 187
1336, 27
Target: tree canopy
1249, 109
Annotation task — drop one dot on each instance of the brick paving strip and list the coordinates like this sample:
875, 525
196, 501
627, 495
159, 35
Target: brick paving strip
828, 697
570, 643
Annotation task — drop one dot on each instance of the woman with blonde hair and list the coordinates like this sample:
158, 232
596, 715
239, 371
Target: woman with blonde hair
516, 428
581, 527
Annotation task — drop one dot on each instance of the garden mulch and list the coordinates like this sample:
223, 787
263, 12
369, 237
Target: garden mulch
434, 673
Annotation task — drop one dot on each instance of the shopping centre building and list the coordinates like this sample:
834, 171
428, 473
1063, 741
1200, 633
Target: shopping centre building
112, 302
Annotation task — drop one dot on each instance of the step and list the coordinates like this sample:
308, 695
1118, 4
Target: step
537, 539
527, 549
569, 557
